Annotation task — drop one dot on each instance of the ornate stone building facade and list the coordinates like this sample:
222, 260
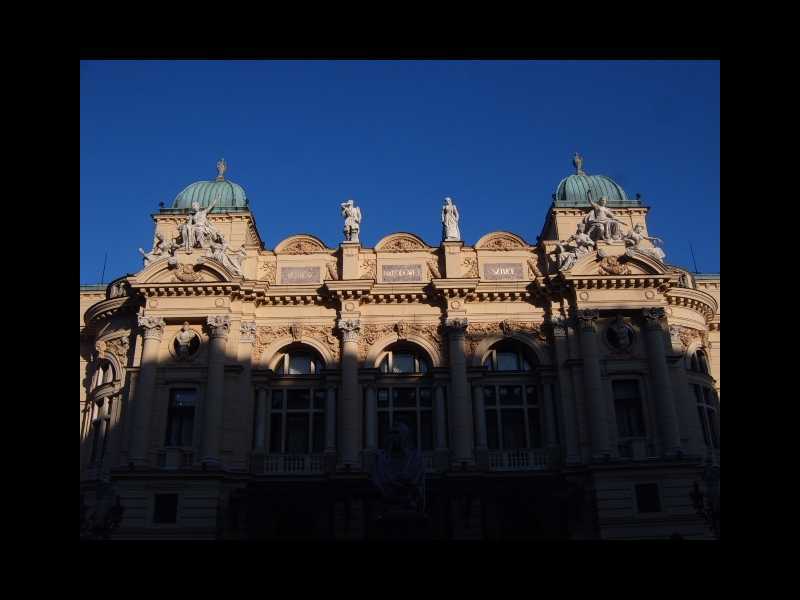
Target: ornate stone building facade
563, 389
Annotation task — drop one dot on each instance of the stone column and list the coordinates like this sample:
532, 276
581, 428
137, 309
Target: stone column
371, 445
460, 409
350, 409
685, 401
330, 429
479, 414
153, 331
566, 393
598, 408
261, 419
664, 401
439, 415
551, 437
219, 328
247, 335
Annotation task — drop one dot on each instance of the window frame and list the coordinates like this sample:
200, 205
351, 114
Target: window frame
195, 417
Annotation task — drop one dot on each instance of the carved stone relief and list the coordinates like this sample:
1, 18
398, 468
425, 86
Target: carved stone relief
369, 269
470, 265
612, 265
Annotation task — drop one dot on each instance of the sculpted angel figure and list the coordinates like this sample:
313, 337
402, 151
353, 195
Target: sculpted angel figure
633, 239
578, 245
352, 220
197, 230
450, 218
602, 219
158, 251
218, 250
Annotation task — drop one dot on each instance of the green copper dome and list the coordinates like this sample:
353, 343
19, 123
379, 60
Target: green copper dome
571, 191
231, 195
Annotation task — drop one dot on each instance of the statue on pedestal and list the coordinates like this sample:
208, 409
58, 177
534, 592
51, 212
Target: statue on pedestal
197, 231
602, 220
352, 221
450, 218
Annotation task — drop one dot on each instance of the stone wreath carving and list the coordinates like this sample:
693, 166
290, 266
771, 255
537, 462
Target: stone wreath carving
369, 269
477, 332
186, 273
500, 243
302, 247
612, 265
470, 266
270, 271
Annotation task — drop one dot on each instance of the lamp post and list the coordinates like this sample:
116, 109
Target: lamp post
707, 505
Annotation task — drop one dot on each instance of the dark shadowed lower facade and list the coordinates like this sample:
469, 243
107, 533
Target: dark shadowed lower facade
567, 389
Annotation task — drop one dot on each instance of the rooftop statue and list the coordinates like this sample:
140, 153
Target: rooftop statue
450, 218
221, 168
633, 239
601, 220
161, 248
578, 245
352, 221
197, 231
577, 162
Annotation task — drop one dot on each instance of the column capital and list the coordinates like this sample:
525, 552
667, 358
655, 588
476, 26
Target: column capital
248, 331
653, 317
456, 325
350, 329
587, 318
153, 327
219, 325
559, 325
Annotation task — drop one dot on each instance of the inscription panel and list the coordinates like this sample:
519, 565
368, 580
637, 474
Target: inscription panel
401, 273
300, 275
502, 271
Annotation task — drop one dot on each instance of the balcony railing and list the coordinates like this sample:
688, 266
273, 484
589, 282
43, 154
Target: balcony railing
279, 464
517, 460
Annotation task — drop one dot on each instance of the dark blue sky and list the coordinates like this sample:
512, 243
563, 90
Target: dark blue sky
397, 136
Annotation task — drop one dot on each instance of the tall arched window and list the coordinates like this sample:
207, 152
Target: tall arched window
297, 403
511, 398
708, 411
405, 394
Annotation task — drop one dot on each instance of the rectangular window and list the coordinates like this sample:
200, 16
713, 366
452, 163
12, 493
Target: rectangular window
300, 364
298, 399
425, 398
319, 433
511, 395
319, 399
383, 398
165, 508
426, 429
647, 498
180, 417
404, 397
276, 432
628, 406
534, 428
297, 427
492, 435
383, 428
513, 424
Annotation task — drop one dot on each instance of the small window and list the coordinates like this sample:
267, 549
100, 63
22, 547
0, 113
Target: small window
404, 361
507, 357
298, 363
628, 407
165, 508
647, 498
180, 417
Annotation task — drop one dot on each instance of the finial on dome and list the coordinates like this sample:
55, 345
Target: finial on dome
577, 162
221, 168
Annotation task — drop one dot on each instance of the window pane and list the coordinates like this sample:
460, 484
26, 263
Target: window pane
507, 361
319, 433
647, 497
319, 399
513, 425
492, 438
298, 399
511, 395
534, 428
300, 364
630, 422
184, 397
425, 397
422, 365
404, 397
410, 419
426, 430
383, 428
277, 399
275, 430
402, 362
489, 398
531, 398
627, 388
165, 509
297, 433
385, 365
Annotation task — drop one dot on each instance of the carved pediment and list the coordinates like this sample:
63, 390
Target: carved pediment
206, 270
401, 242
501, 240
620, 265
301, 244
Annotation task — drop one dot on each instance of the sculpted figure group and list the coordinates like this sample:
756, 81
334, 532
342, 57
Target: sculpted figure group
198, 232
600, 223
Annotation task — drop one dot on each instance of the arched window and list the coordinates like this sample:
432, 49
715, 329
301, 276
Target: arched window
297, 403
405, 394
511, 398
708, 412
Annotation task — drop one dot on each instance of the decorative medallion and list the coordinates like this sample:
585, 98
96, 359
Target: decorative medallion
583, 296
402, 245
219, 302
153, 302
186, 273
612, 265
455, 304
649, 294
349, 306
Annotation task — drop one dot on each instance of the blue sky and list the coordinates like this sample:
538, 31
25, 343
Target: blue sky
397, 136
